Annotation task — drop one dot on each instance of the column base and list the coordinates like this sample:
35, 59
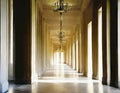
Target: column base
34, 78
85, 74
119, 84
114, 84
95, 77
3, 87
22, 81
79, 71
104, 81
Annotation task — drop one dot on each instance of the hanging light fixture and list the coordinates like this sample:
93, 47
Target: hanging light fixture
61, 33
61, 7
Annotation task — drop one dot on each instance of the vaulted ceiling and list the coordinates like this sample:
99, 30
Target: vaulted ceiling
71, 19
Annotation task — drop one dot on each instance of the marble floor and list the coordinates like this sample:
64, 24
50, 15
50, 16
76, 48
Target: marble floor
62, 79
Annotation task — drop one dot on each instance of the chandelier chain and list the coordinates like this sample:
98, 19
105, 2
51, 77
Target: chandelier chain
61, 7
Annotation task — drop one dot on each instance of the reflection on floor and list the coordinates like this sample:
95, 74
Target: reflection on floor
62, 79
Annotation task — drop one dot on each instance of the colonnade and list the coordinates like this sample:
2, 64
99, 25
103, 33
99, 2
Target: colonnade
33, 49
73, 50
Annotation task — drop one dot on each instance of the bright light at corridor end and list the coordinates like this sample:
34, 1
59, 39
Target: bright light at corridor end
58, 57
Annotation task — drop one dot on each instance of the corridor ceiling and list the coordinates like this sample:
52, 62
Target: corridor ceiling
71, 19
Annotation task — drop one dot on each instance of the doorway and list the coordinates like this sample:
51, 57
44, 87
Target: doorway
90, 50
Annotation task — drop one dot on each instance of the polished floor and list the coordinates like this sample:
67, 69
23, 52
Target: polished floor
62, 79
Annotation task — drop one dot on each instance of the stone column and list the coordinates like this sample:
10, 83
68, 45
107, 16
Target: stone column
113, 43
119, 43
95, 42
85, 51
74, 42
79, 52
38, 44
81, 63
51, 51
22, 33
82, 49
104, 43
70, 52
76, 48
67, 54
3, 46
74, 55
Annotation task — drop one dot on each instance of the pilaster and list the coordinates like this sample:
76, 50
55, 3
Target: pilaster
3, 46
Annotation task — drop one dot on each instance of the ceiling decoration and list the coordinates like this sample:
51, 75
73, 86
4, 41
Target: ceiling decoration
71, 19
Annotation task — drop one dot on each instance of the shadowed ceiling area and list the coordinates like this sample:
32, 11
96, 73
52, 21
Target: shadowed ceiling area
71, 19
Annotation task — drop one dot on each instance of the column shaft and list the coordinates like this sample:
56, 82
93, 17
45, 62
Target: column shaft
113, 43
3, 46
22, 34
104, 43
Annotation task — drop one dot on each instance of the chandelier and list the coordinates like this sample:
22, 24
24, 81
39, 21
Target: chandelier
61, 35
61, 7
